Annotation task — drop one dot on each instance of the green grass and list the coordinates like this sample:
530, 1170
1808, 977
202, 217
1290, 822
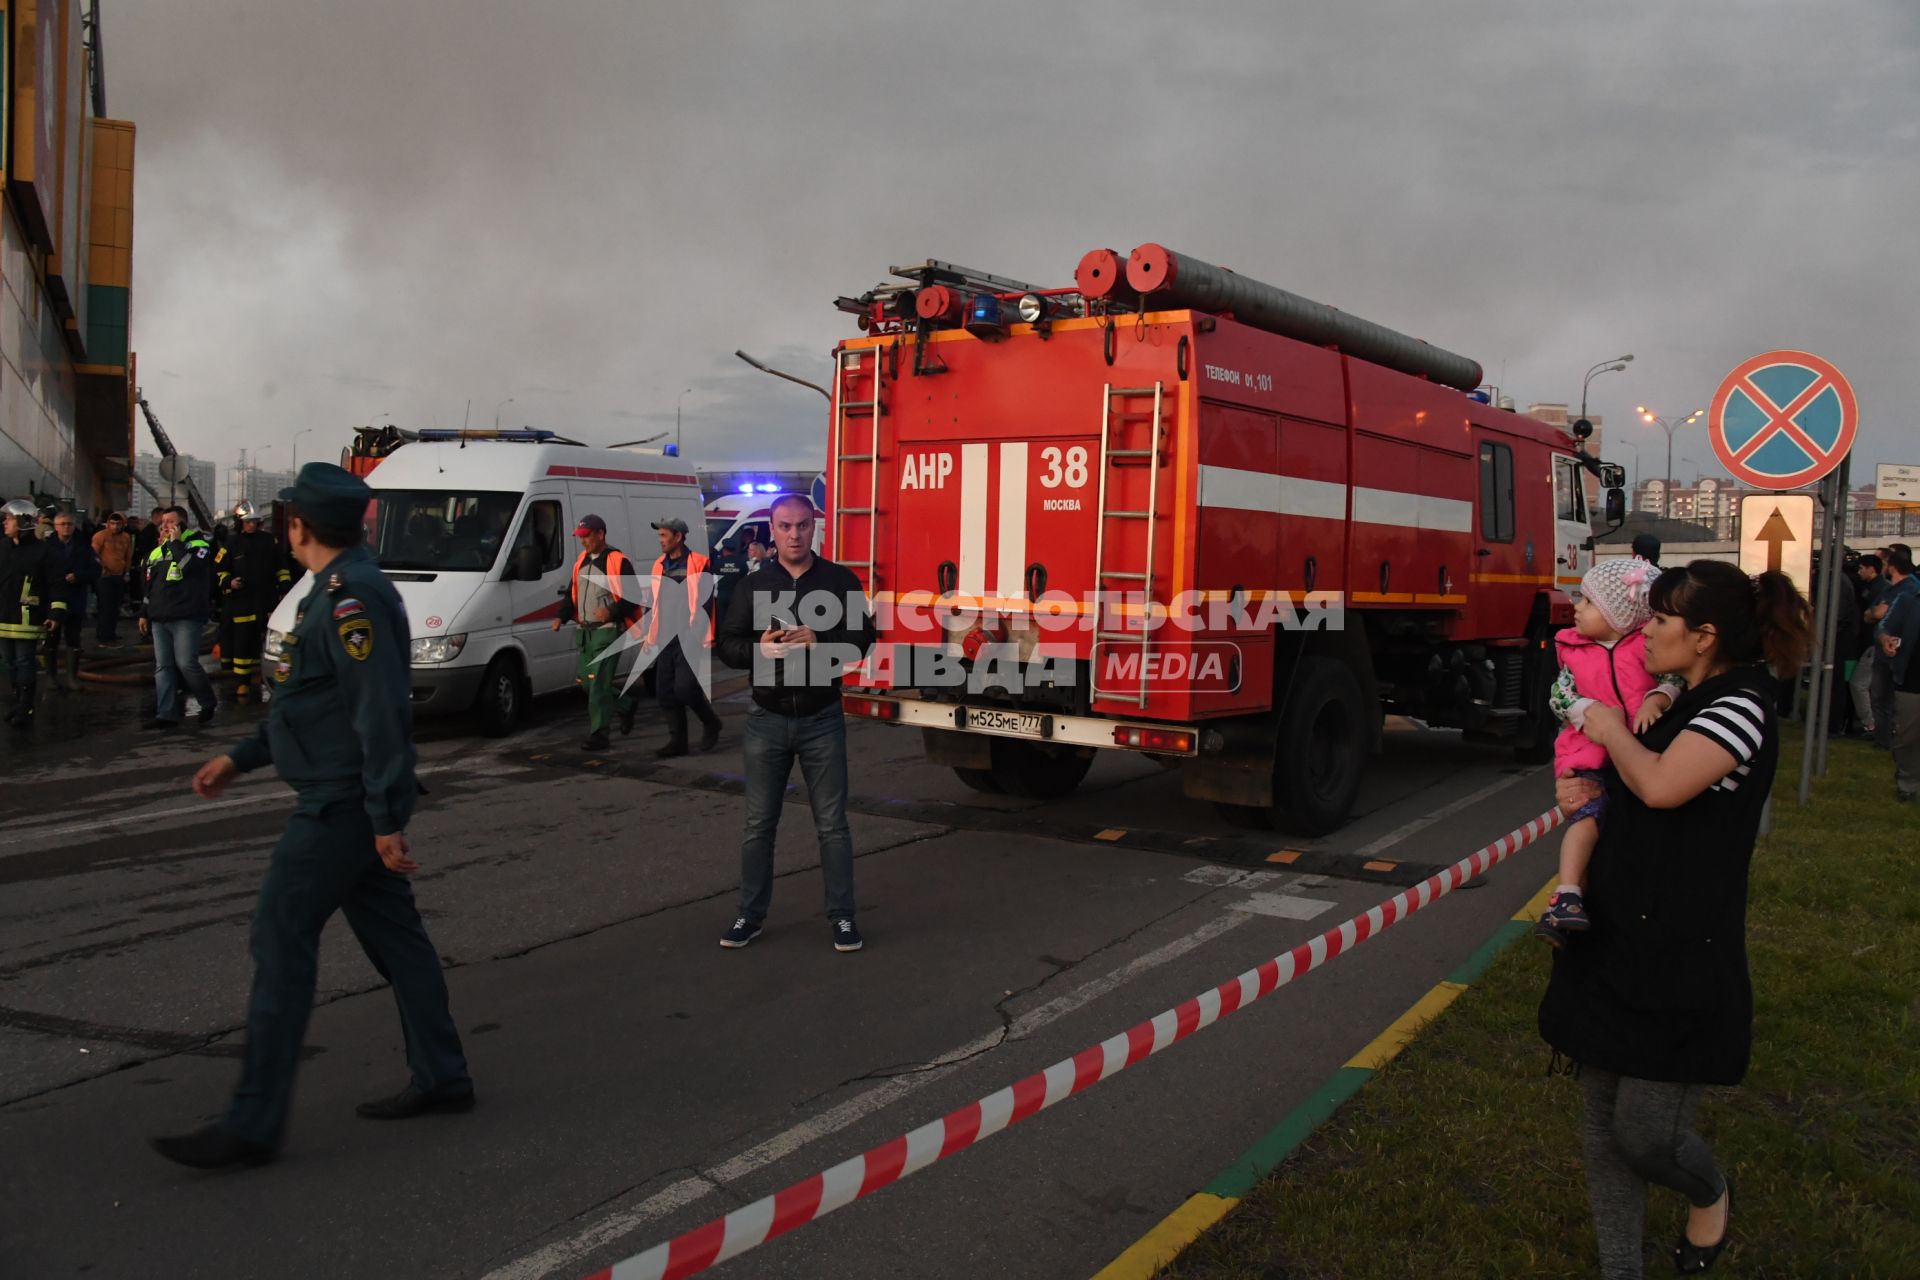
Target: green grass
1461, 1157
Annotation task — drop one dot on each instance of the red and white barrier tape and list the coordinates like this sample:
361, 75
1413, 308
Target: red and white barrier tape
815, 1197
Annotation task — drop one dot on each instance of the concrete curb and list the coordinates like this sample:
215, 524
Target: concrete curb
1203, 1209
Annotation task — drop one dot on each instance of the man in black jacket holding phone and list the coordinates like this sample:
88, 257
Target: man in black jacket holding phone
797, 622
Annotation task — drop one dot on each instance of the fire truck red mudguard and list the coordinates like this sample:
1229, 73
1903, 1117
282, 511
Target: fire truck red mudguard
835, 1188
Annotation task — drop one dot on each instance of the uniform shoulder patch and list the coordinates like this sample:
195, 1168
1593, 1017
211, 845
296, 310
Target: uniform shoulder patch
335, 582
356, 636
347, 608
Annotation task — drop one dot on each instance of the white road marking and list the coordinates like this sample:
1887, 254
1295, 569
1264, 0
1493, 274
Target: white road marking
1284, 906
1399, 833
677, 1195
146, 820
1218, 876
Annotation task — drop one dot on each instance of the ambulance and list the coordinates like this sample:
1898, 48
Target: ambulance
477, 537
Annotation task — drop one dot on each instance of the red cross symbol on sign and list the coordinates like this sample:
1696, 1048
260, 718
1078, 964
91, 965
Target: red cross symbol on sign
1782, 420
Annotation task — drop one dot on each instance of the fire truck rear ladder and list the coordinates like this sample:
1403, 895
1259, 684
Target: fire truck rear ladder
1115, 420
842, 412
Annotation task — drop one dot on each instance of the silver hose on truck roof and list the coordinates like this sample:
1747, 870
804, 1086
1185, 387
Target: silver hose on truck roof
1176, 279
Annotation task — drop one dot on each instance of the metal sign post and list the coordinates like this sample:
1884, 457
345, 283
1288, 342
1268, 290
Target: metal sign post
1783, 420
1813, 756
1830, 589
1808, 714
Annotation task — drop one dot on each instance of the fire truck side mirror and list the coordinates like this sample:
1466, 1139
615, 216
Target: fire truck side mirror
1616, 507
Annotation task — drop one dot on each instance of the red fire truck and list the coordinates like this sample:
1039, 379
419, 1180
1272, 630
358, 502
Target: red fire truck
1172, 510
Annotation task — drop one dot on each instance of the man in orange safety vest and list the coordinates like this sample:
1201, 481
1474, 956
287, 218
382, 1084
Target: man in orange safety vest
598, 598
680, 638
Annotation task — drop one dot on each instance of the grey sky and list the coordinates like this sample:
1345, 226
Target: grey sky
373, 206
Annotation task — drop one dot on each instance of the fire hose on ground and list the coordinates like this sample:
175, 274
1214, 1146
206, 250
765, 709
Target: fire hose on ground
98, 668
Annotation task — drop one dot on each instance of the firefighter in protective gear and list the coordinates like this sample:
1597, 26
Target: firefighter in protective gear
72, 569
245, 573
27, 605
680, 638
599, 597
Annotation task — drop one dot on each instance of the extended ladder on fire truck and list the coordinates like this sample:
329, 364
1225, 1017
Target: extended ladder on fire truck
1133, 433
853, 400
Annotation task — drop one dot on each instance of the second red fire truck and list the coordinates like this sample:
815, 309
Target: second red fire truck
1172, 510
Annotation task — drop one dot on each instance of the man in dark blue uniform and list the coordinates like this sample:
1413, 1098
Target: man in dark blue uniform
340, 732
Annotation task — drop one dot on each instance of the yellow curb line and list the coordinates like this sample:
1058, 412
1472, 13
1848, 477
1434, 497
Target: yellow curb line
1165, 1241
1401, 1031
1163, 1244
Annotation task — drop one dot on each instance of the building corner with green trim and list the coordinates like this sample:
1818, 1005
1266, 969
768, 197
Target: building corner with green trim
67, 384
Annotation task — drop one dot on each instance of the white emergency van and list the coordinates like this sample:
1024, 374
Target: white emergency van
477, 537
735, 520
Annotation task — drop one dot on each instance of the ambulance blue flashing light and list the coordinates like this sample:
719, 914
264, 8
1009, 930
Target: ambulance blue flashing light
671, 450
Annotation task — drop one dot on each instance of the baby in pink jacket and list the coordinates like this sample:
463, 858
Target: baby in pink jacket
1603, 658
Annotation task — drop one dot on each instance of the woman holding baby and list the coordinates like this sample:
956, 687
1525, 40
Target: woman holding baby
1651, 998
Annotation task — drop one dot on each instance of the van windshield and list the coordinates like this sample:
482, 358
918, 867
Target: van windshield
438, 530
717, 527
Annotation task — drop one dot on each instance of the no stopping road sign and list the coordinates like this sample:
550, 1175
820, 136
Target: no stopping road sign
1782, 420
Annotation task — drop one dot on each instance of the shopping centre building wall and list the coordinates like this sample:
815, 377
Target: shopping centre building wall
37, 385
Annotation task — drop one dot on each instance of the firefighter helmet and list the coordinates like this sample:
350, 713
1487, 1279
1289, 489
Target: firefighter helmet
244, 510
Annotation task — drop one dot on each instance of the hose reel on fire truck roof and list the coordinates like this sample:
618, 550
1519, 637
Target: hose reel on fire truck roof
1167, 278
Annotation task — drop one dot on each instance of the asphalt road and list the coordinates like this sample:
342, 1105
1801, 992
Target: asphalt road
636, 1080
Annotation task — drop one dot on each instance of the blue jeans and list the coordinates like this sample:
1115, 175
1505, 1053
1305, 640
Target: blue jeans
819, 743
176, 659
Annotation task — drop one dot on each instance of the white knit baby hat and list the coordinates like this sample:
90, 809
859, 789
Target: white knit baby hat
1617, 586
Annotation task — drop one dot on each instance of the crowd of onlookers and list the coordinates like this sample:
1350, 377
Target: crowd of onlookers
1877, 630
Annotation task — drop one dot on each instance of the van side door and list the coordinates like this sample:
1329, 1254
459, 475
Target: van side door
537, 569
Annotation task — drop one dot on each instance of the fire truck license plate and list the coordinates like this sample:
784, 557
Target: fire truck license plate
1021, 724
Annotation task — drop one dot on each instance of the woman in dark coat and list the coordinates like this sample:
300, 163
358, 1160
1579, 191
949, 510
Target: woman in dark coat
1654, 1003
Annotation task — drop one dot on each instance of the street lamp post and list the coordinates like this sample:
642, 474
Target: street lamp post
789, 377
1669, 426
1614, 365
296, 446
676, 417
496, 411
